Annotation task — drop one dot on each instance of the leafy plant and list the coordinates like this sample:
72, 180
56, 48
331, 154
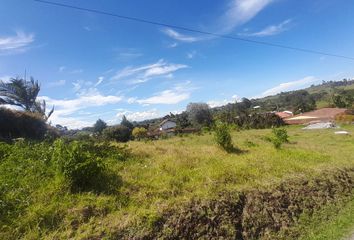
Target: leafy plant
118, 133
223, 137
82, 169
139, 133
280, 136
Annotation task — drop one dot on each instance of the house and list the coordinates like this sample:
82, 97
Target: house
320, 115
284, 114
167, 125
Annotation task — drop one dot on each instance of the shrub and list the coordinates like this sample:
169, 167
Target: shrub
280, 136
79, 167
223, 137
139, 133
118, 133
259, 121
18, 124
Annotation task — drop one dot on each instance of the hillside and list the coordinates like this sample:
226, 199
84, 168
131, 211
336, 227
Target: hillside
316, 96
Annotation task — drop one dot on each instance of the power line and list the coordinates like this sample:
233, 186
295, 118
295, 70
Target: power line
192, 30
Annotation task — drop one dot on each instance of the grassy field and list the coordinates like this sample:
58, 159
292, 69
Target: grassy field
163, 174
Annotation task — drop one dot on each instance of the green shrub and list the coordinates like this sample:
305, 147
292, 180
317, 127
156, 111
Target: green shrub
223, 137
139, 133
83, 170
118, 133
280, 136
18, 124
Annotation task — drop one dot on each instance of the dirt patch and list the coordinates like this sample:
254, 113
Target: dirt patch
257, 214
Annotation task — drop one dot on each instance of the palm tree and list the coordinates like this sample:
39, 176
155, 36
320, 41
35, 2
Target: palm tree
22, 93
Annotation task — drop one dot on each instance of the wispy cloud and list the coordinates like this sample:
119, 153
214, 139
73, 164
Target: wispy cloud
58, 83
288, 86
65, 69
179, 93
15, 44
270, 30
237, 13
144, 73
180, 37
240, 12
99, 81
192, 54
61, 69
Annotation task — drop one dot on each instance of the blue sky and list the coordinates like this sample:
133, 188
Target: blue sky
93, 66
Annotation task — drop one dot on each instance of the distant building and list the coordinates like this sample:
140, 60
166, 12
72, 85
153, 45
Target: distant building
167, 125
284, 114
320, 115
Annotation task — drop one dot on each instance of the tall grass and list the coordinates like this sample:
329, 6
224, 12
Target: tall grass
158, 175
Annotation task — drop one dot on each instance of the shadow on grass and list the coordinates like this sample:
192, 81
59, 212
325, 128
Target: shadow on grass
236, 150
105, 183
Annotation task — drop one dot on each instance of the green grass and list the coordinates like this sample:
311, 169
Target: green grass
331, 223
162, 174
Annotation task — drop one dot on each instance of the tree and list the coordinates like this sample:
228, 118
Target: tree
199, 114
139, 133
125, 122
182, 120
118, 133
22, 93
99, 126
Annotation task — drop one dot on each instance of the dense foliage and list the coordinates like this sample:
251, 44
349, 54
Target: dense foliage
199, 114
139, 133
117, 133
33, 172
19, 124
81, 168
23, 94
99, 126
223, 136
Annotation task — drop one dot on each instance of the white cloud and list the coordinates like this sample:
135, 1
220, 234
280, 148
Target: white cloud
270, 30
87, 28
57, 83
219, 103
144, 73
237, 13
179, 93
288, 86
99, 81
64, 108
76, 71
62, 68
139, 115
166, 97
16, 44
5, 78
240, 12
191, 55
180, 37
173, 45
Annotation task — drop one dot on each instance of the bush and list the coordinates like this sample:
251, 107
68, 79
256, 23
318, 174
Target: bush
17, 124
118, 133
280, 136
259, 121
223, 137
83, 170
139, 133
